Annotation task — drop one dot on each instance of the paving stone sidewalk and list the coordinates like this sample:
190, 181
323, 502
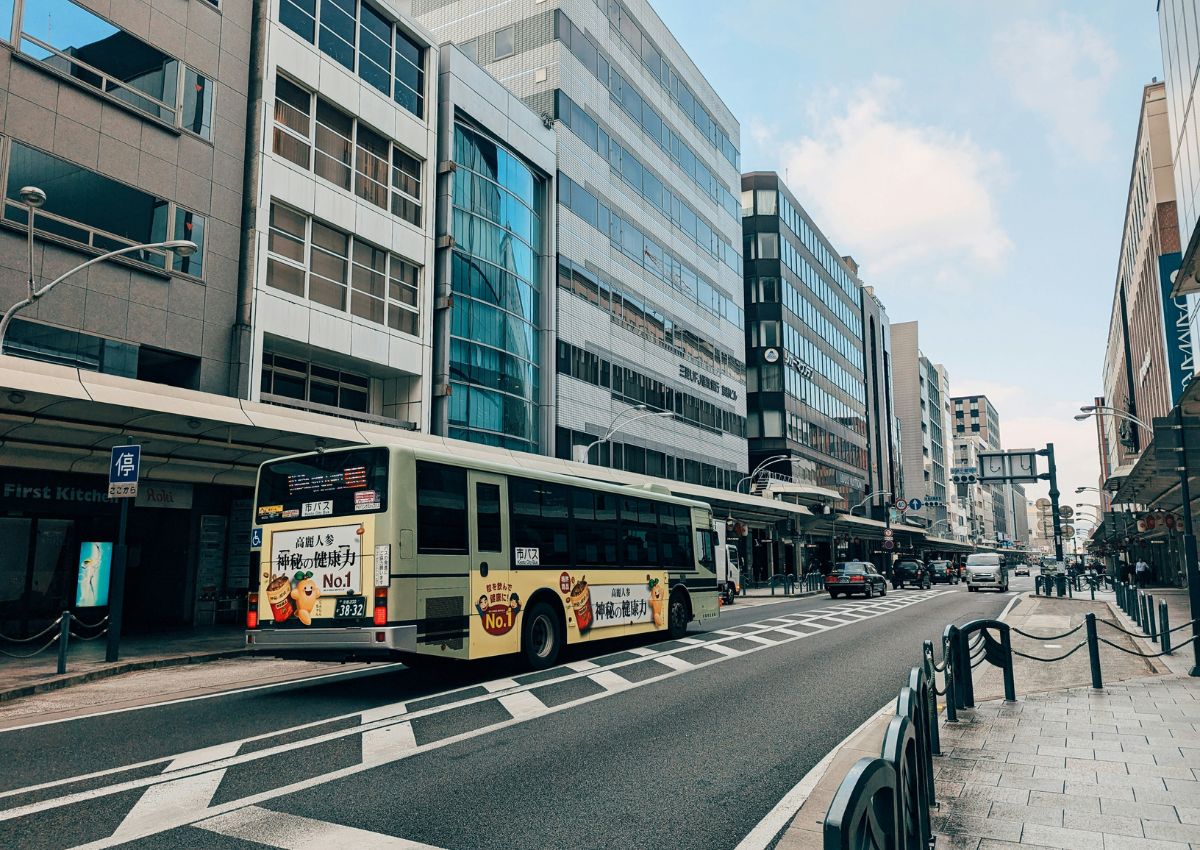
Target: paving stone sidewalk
1067, 766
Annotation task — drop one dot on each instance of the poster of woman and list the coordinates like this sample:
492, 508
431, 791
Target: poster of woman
95, 561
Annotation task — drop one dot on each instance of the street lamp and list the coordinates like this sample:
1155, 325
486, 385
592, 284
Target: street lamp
871, 496
1090, 410
614, 427
34, 199
1079, 490
774, 459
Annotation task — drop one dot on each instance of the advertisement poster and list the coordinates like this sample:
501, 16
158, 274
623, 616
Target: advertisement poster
95, 564
606, 605
310, 563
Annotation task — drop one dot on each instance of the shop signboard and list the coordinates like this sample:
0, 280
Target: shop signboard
95, 566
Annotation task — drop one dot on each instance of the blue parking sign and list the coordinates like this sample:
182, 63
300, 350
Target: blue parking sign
123, 466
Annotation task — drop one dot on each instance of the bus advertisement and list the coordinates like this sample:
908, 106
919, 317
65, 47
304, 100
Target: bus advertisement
397, 552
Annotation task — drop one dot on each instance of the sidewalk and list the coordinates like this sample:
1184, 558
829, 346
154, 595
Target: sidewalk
1066, 766
85, 660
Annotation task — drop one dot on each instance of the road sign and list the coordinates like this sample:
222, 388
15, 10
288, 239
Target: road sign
1068, 531
1043, 504
123, 466
1066, 512
889, 544
1016, 465
914, 504
901, 504
887, 534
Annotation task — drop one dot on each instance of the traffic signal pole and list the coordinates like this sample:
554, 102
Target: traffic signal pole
1052, 475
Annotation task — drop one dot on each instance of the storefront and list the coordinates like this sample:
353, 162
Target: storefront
188, 549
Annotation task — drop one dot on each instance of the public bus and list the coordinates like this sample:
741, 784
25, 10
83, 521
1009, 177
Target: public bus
404, 552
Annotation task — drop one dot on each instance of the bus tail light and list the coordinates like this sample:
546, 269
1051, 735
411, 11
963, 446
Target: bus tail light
252, 611
381, 606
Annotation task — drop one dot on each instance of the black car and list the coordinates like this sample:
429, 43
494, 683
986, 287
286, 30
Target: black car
855, 577
910, 571
943, 572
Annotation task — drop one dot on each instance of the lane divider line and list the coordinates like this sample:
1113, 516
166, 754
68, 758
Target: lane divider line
293, 832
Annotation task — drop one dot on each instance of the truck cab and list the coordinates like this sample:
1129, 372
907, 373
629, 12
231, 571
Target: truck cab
729, 566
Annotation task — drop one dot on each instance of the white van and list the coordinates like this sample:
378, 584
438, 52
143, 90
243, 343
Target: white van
987, 569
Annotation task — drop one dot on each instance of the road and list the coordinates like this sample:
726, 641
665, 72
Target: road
640, 744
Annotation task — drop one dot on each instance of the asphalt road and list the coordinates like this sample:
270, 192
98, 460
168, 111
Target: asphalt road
637, 743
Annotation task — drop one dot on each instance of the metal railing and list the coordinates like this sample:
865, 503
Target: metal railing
788, 583
884, 801
61, 634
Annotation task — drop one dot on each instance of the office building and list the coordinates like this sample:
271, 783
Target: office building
1147, 359
806, 388
883, 434
649, 267
337, 293
922, 391
494, 320
131, 119
977, 421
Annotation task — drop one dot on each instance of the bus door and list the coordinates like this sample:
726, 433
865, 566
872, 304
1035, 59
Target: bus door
495, 601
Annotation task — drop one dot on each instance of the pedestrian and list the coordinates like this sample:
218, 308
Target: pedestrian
1142, 571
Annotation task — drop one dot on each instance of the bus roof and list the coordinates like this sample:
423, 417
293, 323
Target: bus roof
658, 492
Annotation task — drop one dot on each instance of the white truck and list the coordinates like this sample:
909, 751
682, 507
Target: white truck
729, 566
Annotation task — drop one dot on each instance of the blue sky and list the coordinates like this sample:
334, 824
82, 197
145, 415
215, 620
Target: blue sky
973, 158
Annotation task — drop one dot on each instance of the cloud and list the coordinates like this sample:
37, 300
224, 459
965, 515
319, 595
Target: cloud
899, 196
1061, 71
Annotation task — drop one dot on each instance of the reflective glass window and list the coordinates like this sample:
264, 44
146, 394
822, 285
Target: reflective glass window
338, 30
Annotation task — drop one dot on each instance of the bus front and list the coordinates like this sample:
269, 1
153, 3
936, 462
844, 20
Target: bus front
324, 564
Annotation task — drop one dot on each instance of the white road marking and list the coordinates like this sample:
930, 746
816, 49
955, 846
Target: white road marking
674, 662
582, 666
382, 712
788, 631
499, 685
762, 640
643, 650
691, 640
379, 746
721, 649
292, 832
522, 705
161, 807
203, 756
610, 681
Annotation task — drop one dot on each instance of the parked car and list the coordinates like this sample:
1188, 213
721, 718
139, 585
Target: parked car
1021, 570
986, 570
852, 577
910, 571
943, 572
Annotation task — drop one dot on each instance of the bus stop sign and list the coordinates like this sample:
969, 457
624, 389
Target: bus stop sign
123, 466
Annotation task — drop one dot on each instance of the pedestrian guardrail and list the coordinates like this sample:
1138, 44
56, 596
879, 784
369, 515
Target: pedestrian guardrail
884, 801
787, 583
61, 633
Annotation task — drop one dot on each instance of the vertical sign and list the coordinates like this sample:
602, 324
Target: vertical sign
1180, 353
123, 465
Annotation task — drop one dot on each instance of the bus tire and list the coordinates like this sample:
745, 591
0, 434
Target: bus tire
541, 636
678, 614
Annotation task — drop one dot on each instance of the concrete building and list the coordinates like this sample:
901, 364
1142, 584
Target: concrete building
127, 153
922, 391
338, 268
977, 421
1147, 362
649, 266
806, 387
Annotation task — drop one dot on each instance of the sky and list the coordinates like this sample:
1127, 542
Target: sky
973, 158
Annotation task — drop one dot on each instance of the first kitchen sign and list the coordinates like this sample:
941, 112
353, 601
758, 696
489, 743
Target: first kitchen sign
123, 466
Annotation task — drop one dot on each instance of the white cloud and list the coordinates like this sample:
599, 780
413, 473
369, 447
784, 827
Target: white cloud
1061, 71
899, 196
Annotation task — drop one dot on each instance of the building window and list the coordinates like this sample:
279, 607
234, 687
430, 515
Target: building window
313, 260
345, 148
100, 213
90, 50
298, 380
293, 127
385, 57
504, 42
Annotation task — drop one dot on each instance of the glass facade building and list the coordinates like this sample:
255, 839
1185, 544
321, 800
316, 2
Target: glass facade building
495, 368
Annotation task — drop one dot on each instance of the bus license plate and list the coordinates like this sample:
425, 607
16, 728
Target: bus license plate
350, 608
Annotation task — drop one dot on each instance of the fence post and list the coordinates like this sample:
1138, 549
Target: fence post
1093, 650
1092, 585
1150, 617
1071, 582
1010, 687
1164, 625
927, 661
1142, 612
64, 635
950, 672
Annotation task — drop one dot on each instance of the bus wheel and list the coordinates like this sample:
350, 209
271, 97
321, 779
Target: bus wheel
677, 616
541, 636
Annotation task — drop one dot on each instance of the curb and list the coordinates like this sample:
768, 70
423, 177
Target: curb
116, 669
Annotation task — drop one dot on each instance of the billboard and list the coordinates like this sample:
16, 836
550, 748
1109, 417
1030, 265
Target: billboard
95, 565
1180, 354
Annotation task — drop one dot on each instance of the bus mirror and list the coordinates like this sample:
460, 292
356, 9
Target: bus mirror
408, 546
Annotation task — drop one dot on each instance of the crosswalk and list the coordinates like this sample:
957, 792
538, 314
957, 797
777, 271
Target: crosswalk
194, 788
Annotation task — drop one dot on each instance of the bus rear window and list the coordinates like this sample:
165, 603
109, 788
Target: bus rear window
323, 485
